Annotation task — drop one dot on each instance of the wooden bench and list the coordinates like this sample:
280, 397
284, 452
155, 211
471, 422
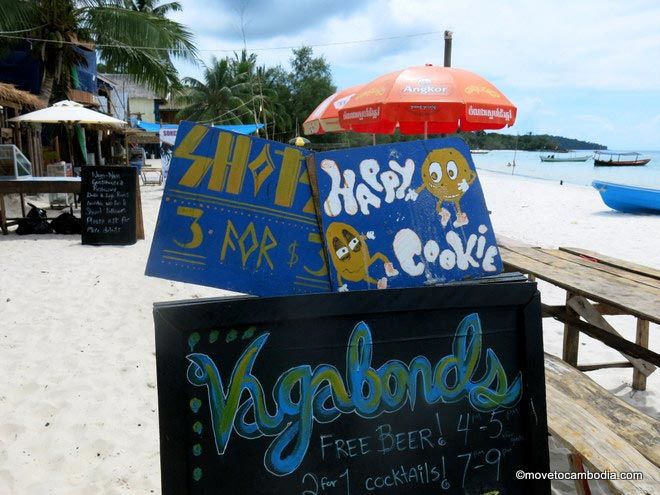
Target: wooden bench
596, 285
601, 431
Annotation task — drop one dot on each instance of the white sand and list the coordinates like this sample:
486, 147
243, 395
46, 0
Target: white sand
78, 390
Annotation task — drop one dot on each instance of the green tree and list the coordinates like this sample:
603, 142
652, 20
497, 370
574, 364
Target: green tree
217, 99
153, 7
135, 42
310, 82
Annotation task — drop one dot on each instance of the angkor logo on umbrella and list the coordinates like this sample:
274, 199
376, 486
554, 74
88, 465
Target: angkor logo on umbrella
425, 87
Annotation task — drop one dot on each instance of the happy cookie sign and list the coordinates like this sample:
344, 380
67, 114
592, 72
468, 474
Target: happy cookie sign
403, 215
263, 218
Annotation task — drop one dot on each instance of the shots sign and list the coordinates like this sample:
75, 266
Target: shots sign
403, 215
414, 391
237, 213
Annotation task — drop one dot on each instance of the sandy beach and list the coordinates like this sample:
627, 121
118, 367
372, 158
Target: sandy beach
78, 397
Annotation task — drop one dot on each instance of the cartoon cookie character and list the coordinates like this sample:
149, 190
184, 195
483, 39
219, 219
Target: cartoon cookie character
447, 176
350, 256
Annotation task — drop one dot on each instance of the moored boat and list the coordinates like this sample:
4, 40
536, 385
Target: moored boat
564, 158
628, 199
614, 159
479, 152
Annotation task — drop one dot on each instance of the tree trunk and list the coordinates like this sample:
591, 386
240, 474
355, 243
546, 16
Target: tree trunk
47, 87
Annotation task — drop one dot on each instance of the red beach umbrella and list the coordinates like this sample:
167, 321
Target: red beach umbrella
326, 116
427, 100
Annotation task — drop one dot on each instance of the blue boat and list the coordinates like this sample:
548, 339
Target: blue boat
629, 199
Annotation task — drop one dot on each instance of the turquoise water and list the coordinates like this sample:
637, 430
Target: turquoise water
528, 164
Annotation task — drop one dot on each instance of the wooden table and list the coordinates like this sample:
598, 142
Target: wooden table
596, 285
34, 185
600, 430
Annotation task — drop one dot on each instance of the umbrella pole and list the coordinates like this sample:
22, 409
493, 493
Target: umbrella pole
373, 139
426, 130
69, 133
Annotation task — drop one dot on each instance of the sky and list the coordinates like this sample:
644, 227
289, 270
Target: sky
585, 69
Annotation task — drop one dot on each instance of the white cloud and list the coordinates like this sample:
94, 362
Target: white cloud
527, 49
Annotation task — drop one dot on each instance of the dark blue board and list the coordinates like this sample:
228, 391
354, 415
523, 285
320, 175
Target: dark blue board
404, 215
237, 213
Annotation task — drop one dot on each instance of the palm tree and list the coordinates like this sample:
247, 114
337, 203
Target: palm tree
218, 99
135, 42
150, 6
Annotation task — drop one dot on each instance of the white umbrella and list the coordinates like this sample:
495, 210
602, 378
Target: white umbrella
68, 112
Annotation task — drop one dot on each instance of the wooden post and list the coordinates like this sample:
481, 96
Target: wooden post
448, 40
641, 339
139, 219
3, 215
571, 336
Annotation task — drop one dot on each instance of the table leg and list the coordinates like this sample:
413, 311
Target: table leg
22, 204
577, 466
3, 215
641, 339
571, 336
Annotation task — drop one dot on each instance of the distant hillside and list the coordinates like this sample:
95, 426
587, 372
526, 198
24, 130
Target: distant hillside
574, 144
479, 140
527, 142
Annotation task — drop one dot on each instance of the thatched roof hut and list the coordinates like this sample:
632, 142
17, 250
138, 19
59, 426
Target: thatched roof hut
10, 96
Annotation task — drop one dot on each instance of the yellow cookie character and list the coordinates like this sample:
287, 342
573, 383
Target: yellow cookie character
350, 256
447, 176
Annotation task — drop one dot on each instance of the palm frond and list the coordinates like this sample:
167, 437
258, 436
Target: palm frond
119, 26
18, 15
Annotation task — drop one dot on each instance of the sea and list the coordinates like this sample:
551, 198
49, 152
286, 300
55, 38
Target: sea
529, 164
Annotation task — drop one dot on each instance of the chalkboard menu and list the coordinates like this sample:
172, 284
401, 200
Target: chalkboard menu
402, 391
108, 205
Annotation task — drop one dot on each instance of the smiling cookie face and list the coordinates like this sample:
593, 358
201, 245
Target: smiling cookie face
348, 251
444, 171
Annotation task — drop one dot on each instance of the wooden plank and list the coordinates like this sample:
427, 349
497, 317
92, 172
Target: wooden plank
571, 344
567, 387
635, 299
603, 309
641, 339
600, 366
41, 185
611, 340
607, 260
582, 307
595, 265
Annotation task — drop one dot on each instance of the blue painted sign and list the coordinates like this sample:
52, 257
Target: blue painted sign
237, 213
404, 215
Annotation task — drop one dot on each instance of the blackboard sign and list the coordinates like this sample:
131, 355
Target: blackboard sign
108, 205
414, 391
